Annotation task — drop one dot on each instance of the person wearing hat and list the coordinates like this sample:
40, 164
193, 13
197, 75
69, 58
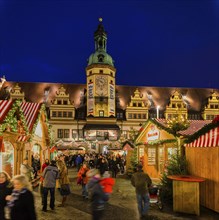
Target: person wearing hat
141, 181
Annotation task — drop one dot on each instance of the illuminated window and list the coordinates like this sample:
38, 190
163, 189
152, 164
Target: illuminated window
60, 133
66, 133
101, 113
74, 134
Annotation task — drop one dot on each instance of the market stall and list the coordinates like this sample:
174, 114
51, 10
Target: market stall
202, 153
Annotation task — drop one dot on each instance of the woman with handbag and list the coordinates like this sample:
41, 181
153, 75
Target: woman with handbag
63, 182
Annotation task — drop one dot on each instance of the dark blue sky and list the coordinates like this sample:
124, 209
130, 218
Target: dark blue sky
164, 43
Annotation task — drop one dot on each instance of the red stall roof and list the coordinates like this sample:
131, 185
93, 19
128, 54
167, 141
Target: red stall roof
30, 110
209, 139
5, 106
194, 126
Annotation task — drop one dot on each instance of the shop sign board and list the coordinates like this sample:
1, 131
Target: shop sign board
153, 134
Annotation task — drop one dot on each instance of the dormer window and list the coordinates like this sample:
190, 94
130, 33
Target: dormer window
100, 58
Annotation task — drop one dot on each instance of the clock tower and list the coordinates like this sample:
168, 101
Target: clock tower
100, 73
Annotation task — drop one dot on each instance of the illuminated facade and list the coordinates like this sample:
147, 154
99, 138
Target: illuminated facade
101, 115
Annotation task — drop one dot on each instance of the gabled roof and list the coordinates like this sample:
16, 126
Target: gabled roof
194, 126
209, 139
31, 111
34, 92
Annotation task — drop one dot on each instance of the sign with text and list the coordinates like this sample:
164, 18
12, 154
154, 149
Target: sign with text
153, 134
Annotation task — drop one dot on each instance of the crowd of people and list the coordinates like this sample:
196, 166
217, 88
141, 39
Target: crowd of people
96, 173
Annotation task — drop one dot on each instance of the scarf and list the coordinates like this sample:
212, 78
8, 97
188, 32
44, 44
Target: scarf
15, 196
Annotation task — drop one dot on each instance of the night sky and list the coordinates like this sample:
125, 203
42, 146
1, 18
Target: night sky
161, 43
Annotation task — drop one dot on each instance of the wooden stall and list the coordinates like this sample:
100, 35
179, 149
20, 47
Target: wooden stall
203, 157
24, 133
155, 147
186, 193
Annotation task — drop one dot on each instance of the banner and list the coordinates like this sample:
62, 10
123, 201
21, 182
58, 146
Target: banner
112, 100
90, 103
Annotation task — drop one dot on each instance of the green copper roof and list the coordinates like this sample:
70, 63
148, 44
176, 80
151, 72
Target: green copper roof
100, 56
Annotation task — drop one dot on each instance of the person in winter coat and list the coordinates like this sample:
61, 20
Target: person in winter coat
50, 175
141, 181
97, 195
107, 183
26, 170
82, 175
21, 201
63, 182
5, 189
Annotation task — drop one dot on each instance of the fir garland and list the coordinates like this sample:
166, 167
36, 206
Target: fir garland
157, 142
11, 121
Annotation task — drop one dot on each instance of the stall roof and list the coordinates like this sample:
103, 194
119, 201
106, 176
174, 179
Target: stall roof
31, 111
5, 106
209, 139
194, 126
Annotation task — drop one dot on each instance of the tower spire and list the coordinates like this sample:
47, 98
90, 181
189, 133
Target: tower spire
100, 37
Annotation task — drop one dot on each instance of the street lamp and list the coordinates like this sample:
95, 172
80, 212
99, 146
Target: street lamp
2, 81
158, 107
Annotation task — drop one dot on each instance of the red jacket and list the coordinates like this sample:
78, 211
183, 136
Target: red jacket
107, 184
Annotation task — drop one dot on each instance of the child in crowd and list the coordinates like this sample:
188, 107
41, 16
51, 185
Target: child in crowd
107, 183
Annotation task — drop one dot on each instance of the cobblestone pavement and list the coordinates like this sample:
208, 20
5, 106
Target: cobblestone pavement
121, 206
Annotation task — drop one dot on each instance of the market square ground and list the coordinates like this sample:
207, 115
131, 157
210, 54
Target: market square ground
122, 205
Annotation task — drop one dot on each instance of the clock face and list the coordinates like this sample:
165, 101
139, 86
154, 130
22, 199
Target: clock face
101, 84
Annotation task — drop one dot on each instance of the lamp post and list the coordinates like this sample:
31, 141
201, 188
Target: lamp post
158, 107
2, 81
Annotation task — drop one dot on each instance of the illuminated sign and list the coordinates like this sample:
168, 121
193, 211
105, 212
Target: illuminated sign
153, 134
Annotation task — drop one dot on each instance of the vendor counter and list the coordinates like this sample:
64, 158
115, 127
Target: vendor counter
186, 196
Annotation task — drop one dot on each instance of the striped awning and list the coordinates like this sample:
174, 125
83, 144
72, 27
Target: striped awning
5, 106
22, 138
30, 111
209, 139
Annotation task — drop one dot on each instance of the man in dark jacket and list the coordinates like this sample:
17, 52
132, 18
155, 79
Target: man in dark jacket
50, 174
141, 181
